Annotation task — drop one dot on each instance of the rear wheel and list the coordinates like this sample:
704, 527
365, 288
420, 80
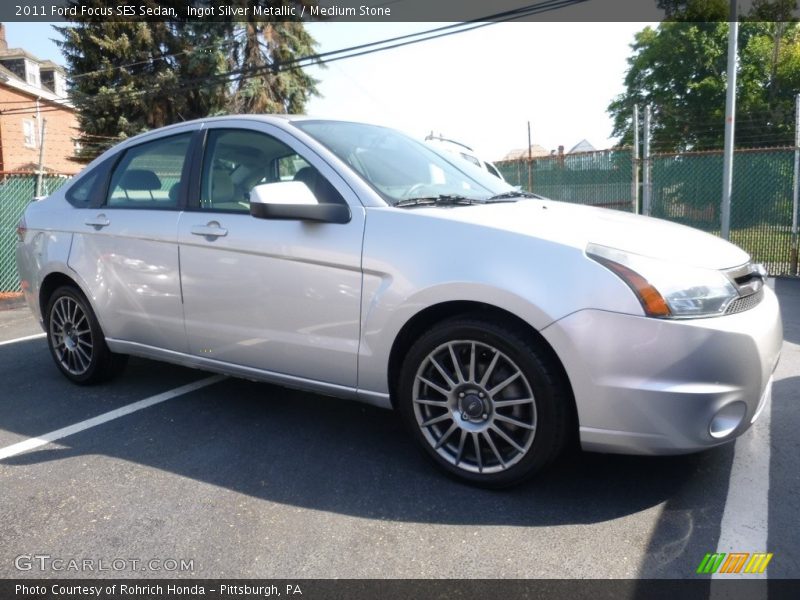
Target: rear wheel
76, 341
486, 404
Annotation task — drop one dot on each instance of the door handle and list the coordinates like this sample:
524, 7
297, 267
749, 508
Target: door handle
212, 230
99, 222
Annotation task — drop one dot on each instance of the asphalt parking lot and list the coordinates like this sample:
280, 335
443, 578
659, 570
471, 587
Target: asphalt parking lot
239, 479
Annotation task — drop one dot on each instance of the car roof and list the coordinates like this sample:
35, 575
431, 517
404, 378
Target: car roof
267, 118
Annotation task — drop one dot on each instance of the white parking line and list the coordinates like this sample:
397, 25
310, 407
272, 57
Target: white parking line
45, 439
35, 336
744, 524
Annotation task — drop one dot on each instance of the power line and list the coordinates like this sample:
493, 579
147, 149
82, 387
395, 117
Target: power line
358, 50
152, 59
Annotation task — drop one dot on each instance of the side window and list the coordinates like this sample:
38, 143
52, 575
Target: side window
237, 160
288, 166
490, 167
89, 189
80, 195
149, 175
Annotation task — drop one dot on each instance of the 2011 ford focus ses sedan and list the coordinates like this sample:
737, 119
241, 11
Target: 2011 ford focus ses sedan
351, 260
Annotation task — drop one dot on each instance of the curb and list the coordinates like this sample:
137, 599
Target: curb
12, 303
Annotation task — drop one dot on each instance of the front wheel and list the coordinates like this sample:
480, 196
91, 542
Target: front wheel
486, 404
76, 340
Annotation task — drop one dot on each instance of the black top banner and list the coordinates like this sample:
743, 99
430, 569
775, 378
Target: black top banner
382, 10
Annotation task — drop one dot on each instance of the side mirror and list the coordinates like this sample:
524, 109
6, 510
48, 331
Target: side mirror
294, 201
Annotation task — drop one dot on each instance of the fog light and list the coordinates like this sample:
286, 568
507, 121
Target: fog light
727, 419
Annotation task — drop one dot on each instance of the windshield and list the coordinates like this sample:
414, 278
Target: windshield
399, 167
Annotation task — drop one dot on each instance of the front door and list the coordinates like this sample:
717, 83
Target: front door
280, 296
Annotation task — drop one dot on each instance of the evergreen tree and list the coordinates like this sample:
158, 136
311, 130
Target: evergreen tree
112, 65
201, 57
283, 88
128, 77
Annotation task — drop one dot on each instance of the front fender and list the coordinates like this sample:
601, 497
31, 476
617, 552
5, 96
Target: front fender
415, 259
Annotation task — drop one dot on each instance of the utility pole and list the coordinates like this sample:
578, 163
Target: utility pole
635, 161
41, 160
730, 123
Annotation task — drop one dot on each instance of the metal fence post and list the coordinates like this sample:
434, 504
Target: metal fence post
635, 161
647, 184
795, 187
730, 125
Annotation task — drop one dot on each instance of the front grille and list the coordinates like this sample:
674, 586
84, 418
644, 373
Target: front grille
746, 303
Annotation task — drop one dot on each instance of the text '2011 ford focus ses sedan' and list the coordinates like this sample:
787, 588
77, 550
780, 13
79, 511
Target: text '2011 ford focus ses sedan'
351, 260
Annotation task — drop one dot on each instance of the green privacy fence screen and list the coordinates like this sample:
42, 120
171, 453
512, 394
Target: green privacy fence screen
598, 178
685, 188
16, 192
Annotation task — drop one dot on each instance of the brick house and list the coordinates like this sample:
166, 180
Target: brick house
33, 95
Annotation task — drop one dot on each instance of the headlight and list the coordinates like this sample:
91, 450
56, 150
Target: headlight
667, 289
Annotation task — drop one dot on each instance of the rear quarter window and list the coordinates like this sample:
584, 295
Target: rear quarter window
90, 188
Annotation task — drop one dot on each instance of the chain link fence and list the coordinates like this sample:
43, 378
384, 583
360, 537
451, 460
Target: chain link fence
685, 188
17, 190
595, 178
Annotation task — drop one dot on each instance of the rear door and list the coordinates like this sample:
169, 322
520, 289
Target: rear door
278, 296
125, 247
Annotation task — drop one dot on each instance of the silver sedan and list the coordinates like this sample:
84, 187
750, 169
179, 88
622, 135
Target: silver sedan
351, 260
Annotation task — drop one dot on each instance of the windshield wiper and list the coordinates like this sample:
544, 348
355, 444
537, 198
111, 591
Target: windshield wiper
440, 200
513, 194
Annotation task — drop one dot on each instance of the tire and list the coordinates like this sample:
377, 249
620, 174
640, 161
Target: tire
504, 416
76, 342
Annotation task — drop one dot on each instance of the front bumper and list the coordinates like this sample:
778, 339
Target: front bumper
653, 386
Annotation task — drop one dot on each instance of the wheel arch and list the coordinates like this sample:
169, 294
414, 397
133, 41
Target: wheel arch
431, 315
50, 284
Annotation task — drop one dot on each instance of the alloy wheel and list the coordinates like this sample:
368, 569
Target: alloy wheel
474, 406
71, 336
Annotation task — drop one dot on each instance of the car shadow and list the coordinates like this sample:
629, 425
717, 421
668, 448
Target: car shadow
690, 521
314, 452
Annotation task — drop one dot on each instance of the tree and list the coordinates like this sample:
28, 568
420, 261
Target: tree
695, 10
679, 69
128, 77
282, 90
110, 64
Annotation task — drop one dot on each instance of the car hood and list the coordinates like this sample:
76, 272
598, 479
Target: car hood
576, 225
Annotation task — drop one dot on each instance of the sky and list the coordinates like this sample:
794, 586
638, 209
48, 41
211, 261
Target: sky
479, 87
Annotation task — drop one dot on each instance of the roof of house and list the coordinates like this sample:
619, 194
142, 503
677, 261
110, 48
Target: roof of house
49, 65
18, 53
535, 150
582, 146
11, 79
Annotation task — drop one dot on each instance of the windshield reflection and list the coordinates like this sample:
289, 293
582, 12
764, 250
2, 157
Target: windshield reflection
399, 167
